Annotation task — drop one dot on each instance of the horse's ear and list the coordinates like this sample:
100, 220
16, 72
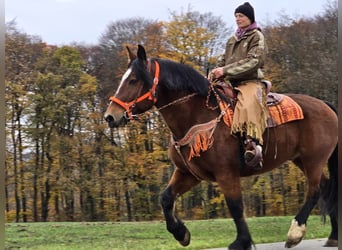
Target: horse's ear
142, 53
131, 56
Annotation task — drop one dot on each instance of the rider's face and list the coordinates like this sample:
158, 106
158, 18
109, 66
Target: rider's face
242, 21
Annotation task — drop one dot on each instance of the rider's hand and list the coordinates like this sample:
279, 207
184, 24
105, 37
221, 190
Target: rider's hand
216, 73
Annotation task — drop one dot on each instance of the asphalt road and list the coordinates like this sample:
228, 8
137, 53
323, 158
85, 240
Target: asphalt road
316, 244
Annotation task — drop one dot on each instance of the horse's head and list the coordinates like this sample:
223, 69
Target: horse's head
136, 92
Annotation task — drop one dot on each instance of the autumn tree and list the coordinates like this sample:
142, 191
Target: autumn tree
68, 99
303, 53
22, 51
195, 39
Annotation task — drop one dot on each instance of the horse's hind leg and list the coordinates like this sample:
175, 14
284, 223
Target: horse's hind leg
333, 237
330, 198
298, 225
180, 183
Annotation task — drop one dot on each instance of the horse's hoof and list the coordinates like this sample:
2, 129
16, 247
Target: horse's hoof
295, 234
292, 243
331, 243
238, 245
248, 248
186, 241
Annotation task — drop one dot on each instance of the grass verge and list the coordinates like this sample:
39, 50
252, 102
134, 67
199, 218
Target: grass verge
148, 235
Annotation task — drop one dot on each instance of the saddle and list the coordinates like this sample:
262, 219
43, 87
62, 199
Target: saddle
228, 90
282, 108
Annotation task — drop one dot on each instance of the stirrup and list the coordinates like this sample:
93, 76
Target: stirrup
253, 157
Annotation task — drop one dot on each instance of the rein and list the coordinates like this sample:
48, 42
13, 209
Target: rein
180, 100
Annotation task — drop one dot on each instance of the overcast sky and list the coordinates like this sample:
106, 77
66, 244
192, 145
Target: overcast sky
61, 22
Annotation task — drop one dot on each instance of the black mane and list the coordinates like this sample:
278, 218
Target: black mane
177, 76
173, 75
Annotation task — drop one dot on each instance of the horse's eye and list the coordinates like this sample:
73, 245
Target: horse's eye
133, 81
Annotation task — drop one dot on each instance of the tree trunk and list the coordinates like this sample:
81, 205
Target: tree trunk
128, 202
57, 212
15, 168
283, 189
35, 180
22, 172
47, 195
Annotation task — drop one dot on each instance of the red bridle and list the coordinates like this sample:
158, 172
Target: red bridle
150, 95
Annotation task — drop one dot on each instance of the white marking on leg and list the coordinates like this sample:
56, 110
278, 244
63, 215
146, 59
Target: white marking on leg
296, 232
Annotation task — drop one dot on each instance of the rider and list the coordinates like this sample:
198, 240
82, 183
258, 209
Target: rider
244, 57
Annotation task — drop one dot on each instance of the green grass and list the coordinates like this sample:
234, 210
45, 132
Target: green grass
148, 235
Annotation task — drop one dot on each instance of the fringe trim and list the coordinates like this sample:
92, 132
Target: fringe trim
201, 141
255, 128
250, 129
199, 138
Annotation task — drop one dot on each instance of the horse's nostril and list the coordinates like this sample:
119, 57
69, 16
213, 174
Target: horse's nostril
109, 118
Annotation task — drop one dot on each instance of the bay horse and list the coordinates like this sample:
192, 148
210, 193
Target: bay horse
180, 93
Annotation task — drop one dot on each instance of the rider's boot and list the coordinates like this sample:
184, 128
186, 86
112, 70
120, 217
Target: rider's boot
253, 153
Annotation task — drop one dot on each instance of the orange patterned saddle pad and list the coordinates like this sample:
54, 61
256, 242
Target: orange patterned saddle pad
286, 110
282, 109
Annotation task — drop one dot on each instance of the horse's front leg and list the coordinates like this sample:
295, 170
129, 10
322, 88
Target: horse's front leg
232, 192
180, 183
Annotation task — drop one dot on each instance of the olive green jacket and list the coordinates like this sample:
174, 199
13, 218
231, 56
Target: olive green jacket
244, 58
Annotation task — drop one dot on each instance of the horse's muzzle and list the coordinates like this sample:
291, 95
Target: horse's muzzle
112, 123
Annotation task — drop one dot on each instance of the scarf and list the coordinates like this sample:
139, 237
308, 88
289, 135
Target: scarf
241, 32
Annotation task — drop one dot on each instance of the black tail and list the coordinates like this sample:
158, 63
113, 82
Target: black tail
330, 188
